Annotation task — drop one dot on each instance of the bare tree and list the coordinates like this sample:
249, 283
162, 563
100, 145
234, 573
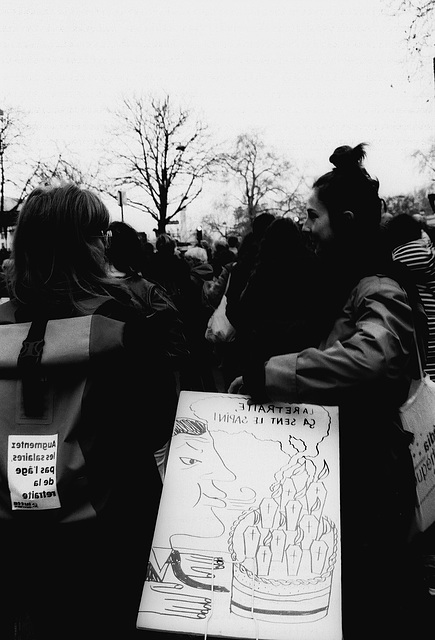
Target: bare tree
33, 173
12, 136
419, 16
220, 221
265, 181
410, 203
426, 162
19, 174
164, 156
63, 167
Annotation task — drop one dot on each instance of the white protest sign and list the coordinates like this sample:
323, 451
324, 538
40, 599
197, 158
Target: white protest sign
32, 472
247, 539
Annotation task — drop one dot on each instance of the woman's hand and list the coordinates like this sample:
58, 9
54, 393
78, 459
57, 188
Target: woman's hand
236, 386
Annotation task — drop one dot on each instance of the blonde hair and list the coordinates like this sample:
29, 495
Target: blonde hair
197, 253
56, 255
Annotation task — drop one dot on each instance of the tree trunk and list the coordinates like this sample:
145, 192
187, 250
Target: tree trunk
161, 226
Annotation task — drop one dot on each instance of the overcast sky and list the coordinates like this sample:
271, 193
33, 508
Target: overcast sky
308, 74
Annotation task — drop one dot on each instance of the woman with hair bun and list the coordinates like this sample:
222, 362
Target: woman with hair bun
364, 365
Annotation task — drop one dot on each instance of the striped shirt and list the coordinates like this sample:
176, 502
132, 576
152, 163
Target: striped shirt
419, 257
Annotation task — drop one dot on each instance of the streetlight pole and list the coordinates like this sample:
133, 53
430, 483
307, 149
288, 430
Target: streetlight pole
2, 174
121, 200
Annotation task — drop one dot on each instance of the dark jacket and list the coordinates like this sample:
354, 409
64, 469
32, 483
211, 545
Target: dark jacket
280, 309
156, 302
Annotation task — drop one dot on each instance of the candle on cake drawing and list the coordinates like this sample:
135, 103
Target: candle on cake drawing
289, 550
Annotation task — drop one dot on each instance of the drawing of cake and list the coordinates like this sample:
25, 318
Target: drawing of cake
284, 552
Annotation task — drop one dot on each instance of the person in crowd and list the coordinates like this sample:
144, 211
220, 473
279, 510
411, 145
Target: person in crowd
363, 365
147, 248
240, 274
213, 292
281, 307
4, 293
246, 259
84, 579
198, 374
233, 244
411, 246
200, 267
124, 255
221, 256
4, 253
203, 244
170, 270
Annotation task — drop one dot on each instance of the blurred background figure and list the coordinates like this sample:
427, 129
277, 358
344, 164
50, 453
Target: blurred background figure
4, 293
170, 270
221, 256
147, 254
125, 257
240, 274
411, 246
282, 306
233, 244
198, 373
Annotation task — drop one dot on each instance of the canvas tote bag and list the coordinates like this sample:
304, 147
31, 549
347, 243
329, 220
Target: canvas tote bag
418, 417
219, 328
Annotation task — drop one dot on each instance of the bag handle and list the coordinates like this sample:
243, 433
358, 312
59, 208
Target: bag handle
419, 360
29, 366
228, 284
415, 384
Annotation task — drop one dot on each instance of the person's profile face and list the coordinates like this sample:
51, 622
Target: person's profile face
198, 466
318, 223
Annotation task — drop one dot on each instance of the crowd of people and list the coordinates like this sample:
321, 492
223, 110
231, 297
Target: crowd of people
338, 312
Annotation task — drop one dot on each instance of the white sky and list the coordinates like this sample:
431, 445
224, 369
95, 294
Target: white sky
308, 74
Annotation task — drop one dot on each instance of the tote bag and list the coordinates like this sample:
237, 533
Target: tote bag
418, 417
219, 328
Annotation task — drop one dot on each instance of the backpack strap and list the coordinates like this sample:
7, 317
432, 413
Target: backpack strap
29, 367
34, 382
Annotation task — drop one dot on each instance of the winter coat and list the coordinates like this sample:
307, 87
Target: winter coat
364, 366
155, 301
280, 309
367, 352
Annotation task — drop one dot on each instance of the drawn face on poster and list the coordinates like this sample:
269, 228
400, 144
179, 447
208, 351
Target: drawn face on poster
199, 465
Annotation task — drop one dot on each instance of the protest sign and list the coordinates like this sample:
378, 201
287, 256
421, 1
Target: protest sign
32, 472
247, 539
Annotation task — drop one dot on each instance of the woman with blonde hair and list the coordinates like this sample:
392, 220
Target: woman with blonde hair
77, 566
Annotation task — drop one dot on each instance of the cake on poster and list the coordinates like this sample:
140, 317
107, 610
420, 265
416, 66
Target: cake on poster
247, 539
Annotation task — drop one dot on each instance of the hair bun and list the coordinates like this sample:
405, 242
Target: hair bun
346, 157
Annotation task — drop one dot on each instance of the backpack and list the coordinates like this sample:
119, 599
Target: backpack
57, 442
